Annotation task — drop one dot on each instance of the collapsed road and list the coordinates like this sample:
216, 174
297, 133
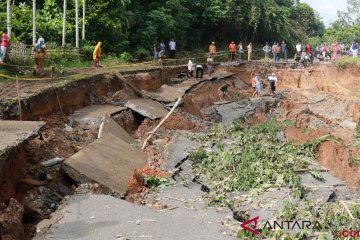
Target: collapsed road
98, 184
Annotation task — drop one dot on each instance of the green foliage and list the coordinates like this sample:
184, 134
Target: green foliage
197, 155
125, 57
255, 161
154, 181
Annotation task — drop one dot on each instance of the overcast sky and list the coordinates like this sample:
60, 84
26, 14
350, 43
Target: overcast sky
327, 8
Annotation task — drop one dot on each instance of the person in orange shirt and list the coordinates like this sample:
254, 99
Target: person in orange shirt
232, 49
212, 49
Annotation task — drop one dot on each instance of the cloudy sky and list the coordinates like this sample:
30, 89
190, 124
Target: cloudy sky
327, 8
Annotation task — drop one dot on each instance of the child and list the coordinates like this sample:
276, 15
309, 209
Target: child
257, 85
222, 91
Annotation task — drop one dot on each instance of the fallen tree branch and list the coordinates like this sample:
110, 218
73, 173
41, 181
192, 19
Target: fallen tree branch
159, 125
347, 209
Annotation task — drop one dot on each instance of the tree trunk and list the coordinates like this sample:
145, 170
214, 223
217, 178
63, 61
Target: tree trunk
34, 22
76, 23
8, 17
64, 25
83, 23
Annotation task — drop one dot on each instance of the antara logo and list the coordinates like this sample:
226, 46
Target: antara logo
290, 225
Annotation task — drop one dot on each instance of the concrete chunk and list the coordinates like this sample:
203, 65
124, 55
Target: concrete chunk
147, 107
111, 127
109, 161
168, 93
13, 133
93, 114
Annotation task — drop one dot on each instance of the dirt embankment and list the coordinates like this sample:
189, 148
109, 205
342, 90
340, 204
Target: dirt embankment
30, 192
207, 94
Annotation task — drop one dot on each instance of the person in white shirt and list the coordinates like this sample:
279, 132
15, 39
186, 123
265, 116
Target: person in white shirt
199, 70
298, 48
172, 45
190, 69
272, 79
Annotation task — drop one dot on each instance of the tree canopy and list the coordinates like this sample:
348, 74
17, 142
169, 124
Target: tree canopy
346, 28
134, 25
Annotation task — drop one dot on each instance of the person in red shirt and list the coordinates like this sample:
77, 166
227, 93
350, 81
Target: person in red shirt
335, 52
4, 44
232, 49
308, 48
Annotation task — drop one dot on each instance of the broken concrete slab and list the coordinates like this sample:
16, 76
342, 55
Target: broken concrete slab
265, 103
241, 85
226, 113
93, 114
109, 161
178, 149
165, 93
147, 107
329, 180
13, 133
105, 217
111, 127
171, 93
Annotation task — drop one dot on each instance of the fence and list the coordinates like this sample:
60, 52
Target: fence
22, 51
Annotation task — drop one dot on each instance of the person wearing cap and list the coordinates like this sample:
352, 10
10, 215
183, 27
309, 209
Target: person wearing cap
232, 50
212, 49
272, 79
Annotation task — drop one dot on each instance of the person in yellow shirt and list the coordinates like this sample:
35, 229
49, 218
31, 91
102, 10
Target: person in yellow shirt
97, 54
212, 49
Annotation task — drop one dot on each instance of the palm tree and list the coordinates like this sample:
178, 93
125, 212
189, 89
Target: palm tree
34, 22
64, 25
76, 23
83, 23
8, 16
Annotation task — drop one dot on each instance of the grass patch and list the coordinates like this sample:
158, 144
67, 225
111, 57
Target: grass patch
343, 63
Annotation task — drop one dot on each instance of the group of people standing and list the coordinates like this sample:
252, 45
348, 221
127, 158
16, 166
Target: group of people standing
256, 84
233, 48
159, 49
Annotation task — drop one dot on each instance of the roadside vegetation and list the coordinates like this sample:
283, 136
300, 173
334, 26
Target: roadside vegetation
252, 160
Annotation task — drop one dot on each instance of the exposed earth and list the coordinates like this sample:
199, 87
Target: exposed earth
83, 175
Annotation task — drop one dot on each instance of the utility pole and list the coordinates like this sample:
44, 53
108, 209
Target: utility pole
34, 22
64, 25
83, 23
8, 17
77, 23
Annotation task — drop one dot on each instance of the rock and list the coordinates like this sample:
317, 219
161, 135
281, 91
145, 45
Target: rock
68, 128
281, 136
348, 123
52, 162
159, 142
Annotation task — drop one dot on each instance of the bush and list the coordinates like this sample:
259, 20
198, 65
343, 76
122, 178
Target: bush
125, 57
